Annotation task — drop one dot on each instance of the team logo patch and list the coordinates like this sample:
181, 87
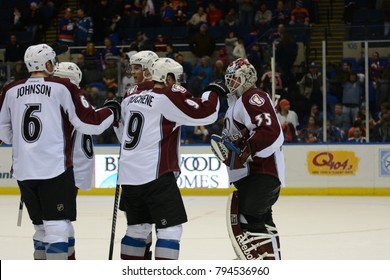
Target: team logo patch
192, 103
257, 100
178, 88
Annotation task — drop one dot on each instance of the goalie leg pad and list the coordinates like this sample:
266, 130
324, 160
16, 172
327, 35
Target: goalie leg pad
249, 245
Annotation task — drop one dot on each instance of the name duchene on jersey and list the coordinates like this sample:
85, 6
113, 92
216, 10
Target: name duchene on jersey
34, 89
141, 99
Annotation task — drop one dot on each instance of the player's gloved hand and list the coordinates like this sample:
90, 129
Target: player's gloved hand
115, 106
219, 87
232, 152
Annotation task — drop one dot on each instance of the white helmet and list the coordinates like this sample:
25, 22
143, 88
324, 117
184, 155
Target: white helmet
143, 58
240, 76
69, 70
161, 67
36, 57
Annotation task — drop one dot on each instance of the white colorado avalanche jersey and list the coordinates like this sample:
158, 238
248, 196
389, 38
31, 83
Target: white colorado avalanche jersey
151, 121
83, 160
37, 116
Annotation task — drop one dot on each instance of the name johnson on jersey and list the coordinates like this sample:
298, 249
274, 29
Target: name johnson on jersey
34, 89
142, 99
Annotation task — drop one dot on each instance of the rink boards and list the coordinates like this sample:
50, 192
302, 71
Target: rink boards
358, 169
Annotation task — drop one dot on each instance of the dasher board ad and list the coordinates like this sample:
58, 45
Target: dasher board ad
197, 171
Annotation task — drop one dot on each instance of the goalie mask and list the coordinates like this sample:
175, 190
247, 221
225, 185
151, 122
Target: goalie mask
36, 57
68, 70
240, 76
162, 67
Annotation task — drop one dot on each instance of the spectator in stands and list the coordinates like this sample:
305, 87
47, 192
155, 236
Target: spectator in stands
197, 19
286, 54
381, 131
18, 20
263, 18
101, 14
349, 8
203, 66
109, 50
340, 119
170, 52
266, 84
231, 19
352, 95
148, 13
143, 42
311, 85
384, 109
218, 71
376, 67
276, 37
195, 84
180, 17
214, 15
112, 30
386, 18
167, 13
280, 15
314, 112
286, 116
66, 28
84, 28
251, 38
14, 54
308, 134
34, 22
187, 67
47, 9
160, 45
333, 133
110, 72
299, 15
255, 57
223, 56
357, 136
339, 77
246, 11
230, 42
239, 49
127, 79
202, 44
383, 89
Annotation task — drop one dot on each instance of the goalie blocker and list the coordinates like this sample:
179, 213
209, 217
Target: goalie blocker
250, 245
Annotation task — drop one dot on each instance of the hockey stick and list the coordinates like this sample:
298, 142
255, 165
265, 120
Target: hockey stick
113, 226
19, 222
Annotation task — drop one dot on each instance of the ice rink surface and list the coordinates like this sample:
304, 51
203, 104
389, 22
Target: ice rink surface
310, 227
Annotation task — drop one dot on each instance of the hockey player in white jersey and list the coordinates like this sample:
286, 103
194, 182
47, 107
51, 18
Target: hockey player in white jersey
37, 116
82, 151
149, 158
139, 66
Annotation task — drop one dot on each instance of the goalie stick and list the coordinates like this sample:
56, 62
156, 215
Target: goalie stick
113, 226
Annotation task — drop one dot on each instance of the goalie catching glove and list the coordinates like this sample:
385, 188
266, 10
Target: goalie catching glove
232, 153
115, 107
218, 87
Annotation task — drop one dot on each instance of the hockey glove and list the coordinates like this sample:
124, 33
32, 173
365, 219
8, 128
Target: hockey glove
115, 107
234, 155
219, 87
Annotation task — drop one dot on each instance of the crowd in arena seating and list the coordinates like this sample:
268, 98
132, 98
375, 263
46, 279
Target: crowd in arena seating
216, 33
